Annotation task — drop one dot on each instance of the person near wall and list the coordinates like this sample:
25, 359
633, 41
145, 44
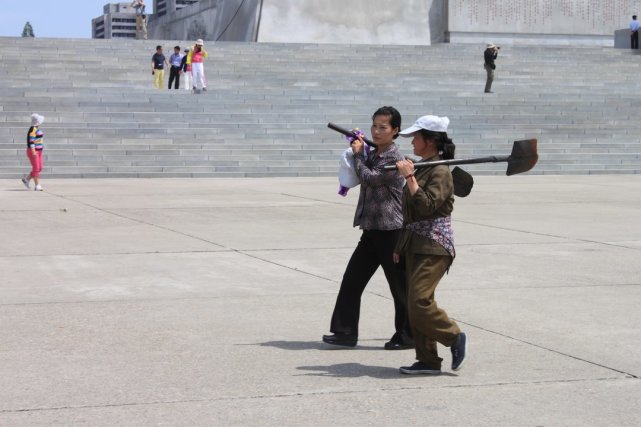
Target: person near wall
35, 146
634, 32
490, 55
141, 19
378, 214
427, 244
195, 59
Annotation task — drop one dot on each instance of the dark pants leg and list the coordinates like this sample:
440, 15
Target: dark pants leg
430, 323
490, 78
634, 40
395, 275
174, 74
373, 250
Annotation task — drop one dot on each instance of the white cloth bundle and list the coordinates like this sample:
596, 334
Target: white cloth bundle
347, 177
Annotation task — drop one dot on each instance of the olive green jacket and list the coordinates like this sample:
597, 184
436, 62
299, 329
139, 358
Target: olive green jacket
434, 198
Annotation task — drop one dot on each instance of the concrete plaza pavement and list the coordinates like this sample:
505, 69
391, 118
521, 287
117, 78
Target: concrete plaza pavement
202, 302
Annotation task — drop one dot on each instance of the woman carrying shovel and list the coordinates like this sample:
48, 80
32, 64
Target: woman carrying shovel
427, 242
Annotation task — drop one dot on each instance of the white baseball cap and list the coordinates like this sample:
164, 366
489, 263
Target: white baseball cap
490, 45
433, 123
199, 42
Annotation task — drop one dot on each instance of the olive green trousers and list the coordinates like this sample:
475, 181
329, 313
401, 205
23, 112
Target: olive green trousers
430, 324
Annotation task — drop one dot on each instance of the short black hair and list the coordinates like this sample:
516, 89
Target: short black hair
395, 117
158, 47
177, 47
634, 17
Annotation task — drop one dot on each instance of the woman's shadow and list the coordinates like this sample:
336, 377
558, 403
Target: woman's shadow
350, 370
341, 370
313, 345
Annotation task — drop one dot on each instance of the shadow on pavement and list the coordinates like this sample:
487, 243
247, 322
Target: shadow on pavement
312, 345
354, 370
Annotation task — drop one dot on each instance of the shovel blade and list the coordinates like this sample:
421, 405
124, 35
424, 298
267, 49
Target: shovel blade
523, 158
463, 182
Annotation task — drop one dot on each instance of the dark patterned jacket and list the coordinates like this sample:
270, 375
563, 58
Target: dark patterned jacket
434, 198
379, 202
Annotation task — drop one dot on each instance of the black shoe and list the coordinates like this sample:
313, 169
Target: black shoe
344, 340
419, 368
391, 345
458, 351
396, 343
204, 89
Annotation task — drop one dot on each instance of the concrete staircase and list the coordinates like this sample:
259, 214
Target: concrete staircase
267, 107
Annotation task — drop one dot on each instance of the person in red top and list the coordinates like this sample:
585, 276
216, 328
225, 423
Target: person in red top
195, 59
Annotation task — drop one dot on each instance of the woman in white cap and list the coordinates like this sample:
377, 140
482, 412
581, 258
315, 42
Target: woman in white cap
195, 59
427, 243
35, 145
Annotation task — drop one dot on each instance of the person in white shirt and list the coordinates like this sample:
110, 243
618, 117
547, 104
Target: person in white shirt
634, 32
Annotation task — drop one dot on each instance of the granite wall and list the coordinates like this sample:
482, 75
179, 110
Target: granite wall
545, 21
408, 22
213, 20
405, 22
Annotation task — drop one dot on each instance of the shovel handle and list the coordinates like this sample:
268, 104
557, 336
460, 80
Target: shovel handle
419, 165
349, 133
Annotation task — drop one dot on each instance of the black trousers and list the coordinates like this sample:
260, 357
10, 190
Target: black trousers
174, 73
373, 250
634, 40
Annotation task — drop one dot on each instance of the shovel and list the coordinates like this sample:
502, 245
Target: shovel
349, 133
523, 158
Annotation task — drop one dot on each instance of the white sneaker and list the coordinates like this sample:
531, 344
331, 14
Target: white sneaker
26, 182
38, 188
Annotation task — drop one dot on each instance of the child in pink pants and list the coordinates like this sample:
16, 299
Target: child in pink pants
35, 145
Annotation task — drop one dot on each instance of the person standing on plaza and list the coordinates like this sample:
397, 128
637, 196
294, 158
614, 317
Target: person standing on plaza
186, 71
35, 146
378, 214
490, 55
141, 19
427, 244
634, 32
175, 61
158, 62
195, 59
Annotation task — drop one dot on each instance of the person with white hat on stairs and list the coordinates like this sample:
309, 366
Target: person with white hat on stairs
195, 58
490, 55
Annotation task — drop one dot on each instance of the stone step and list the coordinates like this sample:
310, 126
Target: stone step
270, 103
